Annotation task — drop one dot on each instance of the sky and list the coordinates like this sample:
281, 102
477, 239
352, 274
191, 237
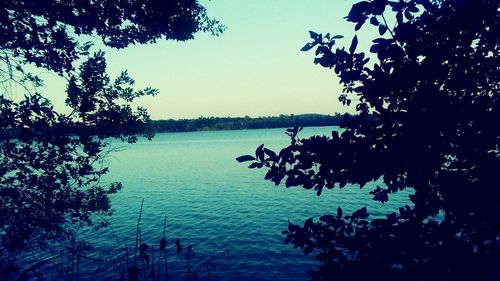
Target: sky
254, 68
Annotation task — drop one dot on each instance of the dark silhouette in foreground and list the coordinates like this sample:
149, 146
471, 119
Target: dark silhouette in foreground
51, 162
434, 94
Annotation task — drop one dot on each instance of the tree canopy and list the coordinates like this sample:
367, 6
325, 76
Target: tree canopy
45, 32
51, 162
433, 93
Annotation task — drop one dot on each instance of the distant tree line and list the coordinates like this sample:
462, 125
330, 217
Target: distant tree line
239, 123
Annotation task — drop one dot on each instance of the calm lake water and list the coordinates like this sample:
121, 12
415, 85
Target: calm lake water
215, 204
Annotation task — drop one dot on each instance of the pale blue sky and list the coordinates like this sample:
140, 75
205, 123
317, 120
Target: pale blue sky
255, 68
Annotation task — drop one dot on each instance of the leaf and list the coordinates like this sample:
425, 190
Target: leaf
269, 175
354, 44
379, 7
245, 158
359, 25
293, 227
308, 47
358, 11
408, 15
413, 8
363, 215
314, 35
259, 152
382, 29
399, 17
271, 153
374, 21
380, 40
338, 37
319, 190
255, 165
378, 222
327, 218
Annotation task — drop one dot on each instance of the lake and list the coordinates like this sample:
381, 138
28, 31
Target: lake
215, 204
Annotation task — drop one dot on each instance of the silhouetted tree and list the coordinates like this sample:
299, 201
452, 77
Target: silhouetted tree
51, 162
433, 93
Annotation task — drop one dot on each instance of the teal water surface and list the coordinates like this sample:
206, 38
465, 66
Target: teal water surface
217, 205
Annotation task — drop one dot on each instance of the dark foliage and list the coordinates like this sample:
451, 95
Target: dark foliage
44, 32
434, 95
51, 162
